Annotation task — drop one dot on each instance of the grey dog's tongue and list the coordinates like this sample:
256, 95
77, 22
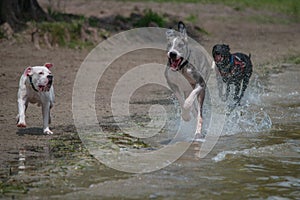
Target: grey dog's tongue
175, 63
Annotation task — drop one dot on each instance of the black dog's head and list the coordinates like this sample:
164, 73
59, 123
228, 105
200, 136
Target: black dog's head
221, 54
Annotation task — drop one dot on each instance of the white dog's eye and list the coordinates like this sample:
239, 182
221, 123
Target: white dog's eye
41, 73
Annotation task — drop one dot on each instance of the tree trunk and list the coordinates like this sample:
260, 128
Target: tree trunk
17, 12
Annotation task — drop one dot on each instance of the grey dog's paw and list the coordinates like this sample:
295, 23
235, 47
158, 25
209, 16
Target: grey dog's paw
199, 137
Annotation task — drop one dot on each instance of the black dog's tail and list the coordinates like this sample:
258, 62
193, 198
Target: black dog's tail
249, 55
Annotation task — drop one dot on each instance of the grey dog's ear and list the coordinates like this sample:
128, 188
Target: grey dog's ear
182, 29
170, 34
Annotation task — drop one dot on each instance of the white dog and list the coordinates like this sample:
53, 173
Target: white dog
36, 87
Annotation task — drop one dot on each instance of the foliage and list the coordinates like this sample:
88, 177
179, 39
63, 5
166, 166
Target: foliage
14, 187
59, 30
149, 18
191, 18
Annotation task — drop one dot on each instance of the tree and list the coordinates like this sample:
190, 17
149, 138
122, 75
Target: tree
17, 12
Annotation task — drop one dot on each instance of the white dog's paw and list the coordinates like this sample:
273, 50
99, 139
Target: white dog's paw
21, 124
47, 131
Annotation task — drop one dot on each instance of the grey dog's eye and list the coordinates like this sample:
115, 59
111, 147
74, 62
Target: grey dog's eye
180, 45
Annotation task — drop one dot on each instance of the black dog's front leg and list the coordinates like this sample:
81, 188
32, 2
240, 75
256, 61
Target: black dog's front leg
237, 98
227, 91
245, 85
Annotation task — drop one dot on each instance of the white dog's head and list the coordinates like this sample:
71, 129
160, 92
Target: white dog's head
177, 46
40, 77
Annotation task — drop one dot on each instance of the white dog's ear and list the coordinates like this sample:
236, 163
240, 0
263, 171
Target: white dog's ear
48, 65
28, 71
182, 29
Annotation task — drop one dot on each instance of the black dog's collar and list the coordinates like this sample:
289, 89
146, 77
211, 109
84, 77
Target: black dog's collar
31, 83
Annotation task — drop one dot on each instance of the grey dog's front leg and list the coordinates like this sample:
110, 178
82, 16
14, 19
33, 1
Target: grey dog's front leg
184, 113
201, 97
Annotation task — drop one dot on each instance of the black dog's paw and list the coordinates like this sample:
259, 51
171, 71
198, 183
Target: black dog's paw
224, 98
230, 108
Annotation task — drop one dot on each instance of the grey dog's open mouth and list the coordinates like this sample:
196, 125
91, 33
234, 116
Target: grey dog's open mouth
175, 63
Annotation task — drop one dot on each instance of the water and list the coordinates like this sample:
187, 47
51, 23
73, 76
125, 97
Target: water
257, 157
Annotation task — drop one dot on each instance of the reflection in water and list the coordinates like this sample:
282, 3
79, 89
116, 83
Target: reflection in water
22, 159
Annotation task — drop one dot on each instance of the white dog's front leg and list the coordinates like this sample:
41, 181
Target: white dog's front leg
46, 115
22, 104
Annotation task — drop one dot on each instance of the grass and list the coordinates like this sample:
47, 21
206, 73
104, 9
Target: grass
66, 29
58, 31
13, 188
289, 7
191, 18
293, 60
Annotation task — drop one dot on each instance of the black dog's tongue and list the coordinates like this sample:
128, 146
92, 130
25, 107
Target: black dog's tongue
218, 58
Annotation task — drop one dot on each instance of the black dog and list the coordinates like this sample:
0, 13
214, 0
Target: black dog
232, 69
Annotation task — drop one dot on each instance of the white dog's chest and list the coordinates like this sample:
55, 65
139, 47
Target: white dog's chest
33, 97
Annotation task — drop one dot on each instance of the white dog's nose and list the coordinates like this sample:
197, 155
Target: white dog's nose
50, 77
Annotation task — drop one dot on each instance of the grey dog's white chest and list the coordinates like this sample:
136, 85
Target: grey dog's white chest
189, 74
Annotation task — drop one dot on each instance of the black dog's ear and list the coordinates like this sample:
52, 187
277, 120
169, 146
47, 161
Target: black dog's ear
227, 46
214, 49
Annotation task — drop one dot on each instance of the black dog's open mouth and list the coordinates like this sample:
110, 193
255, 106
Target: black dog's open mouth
218, 58
175, 63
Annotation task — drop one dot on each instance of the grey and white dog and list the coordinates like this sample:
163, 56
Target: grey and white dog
182, 61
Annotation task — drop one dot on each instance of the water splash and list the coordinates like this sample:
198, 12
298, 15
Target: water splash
247, 119
269, 150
